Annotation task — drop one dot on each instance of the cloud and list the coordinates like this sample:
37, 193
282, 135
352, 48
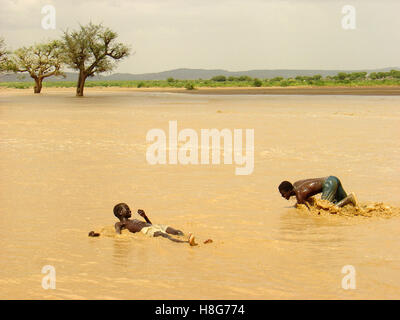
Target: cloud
229, 34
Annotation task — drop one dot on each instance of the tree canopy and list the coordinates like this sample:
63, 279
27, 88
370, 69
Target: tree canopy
40, 61
3, 56
92, 50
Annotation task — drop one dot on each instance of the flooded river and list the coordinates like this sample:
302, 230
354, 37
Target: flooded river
66, 161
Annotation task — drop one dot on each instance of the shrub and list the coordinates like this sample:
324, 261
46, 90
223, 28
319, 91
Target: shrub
342, 75
373, 76
220, 78
284, 83
190, 86
395, 74
245, 78
257, 83
22, 85
382, 75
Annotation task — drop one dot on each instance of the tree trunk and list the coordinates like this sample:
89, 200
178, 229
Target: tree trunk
38, 85
81, 84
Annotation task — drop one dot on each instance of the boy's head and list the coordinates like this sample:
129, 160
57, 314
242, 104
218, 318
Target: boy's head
121, 210
286, 189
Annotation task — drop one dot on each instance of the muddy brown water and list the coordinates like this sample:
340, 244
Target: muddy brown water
65, 162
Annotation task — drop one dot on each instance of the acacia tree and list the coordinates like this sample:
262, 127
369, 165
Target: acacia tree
40, 61
92, 50
3, 56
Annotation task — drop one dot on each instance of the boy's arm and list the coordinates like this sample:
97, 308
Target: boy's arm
143, 215
118, 227
301, 199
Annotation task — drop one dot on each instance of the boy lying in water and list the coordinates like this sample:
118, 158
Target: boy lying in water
123, 213
331, 189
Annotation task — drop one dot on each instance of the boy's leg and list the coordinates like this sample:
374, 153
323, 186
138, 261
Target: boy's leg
174, 231
340, 193
329, 189
191, 240
342, 198
164, 235
351, 198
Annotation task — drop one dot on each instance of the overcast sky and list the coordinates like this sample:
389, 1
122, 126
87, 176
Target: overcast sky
224, 34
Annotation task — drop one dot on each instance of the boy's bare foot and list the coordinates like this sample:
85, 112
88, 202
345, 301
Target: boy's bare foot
208, 241
353, 199
93, 234
191, 240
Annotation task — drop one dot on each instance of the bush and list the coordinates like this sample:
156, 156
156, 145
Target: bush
342, 75
22, 85
190, 86
140, 84
319, 83
220, 78
357, 75
395, 74
169, 80
284, 83
382, 75
373, 75
257, 83
245, 78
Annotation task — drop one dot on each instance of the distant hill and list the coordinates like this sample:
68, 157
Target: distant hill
194, 74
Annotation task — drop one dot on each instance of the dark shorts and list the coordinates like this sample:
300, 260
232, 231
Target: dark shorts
332, 190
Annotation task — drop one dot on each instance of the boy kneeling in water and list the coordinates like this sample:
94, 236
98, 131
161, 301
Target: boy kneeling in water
123, 213
331, 189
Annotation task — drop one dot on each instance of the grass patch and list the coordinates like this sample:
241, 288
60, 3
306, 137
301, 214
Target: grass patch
356, 79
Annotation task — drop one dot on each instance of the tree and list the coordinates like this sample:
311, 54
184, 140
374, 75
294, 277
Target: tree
342, 76
245, 78
395, 74
40, 61
92, 50
382, 75
357, 75
373, 76
190, 86
257, 83
3, 56
220, 78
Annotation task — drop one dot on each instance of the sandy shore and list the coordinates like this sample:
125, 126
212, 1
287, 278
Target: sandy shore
359, 91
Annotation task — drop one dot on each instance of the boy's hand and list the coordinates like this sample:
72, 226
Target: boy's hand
143, 215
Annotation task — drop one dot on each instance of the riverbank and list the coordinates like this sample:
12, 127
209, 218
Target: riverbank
306, 90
